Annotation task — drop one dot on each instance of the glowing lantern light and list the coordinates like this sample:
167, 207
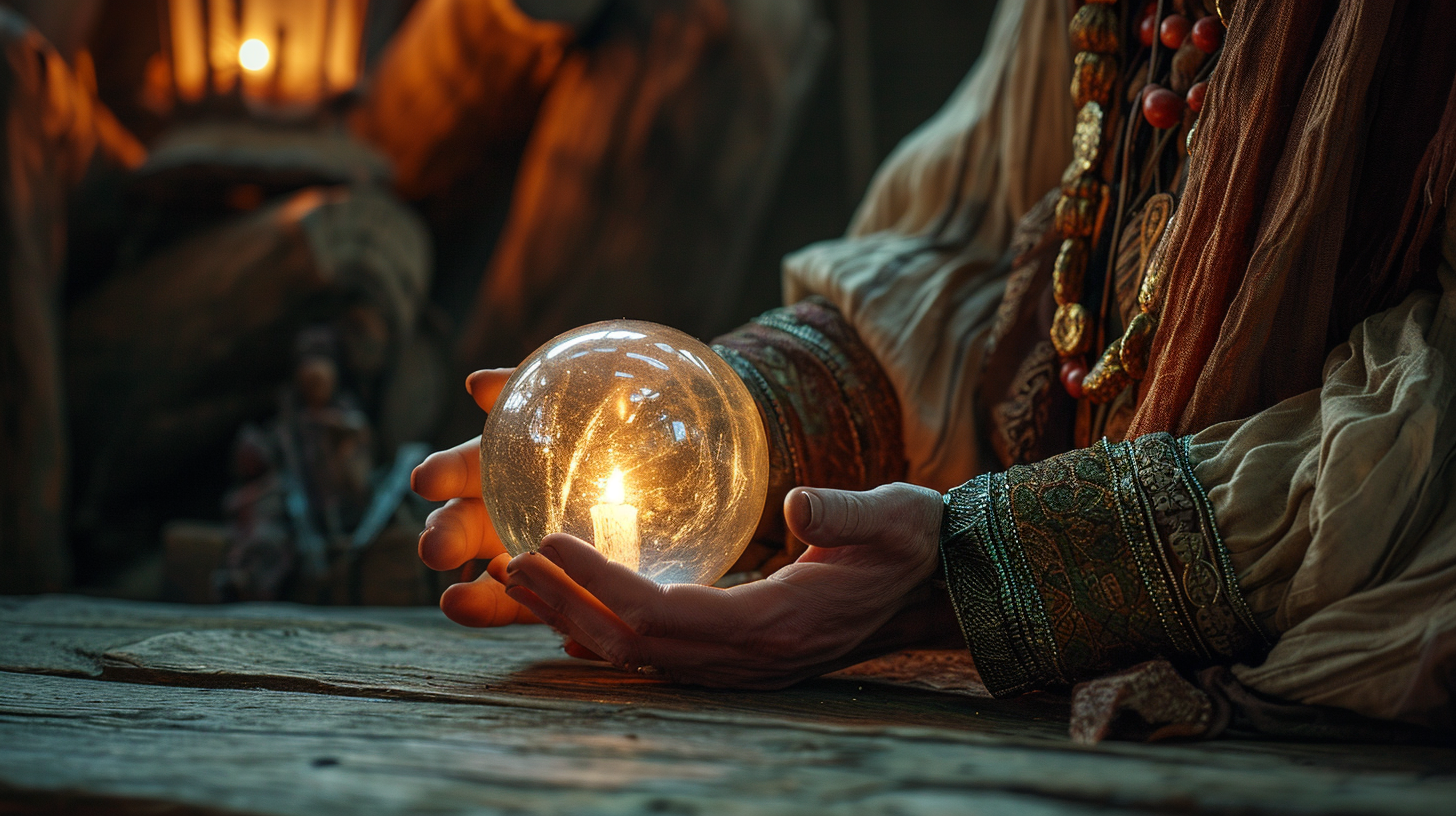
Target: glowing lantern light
283, 57
253, 55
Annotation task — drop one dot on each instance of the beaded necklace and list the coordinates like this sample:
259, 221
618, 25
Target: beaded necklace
1086, 206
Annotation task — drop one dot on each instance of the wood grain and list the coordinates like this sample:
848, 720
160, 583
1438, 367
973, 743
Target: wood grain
135, 708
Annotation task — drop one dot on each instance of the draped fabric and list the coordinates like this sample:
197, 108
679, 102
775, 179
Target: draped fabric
1303, 345
919, 275
1335, 508
1324, 123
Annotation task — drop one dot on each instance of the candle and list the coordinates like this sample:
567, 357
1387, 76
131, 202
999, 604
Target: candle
614, 523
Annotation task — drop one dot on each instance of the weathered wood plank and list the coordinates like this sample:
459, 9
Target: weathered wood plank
286, 752
417, 654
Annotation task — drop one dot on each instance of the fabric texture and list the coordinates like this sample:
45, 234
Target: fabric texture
1091, 561
1336, 508
1318, 387
1296, 164
1152, 701
919, 275
831, 415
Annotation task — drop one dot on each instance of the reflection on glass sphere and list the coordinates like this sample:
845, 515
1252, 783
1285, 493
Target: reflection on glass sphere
634, 437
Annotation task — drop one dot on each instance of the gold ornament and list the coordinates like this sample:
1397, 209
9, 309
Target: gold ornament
1086, 142
1136, 343
1093, 76
1107, 378
1068, 271
1069, 330
1094, 28
1150, 294
1075, 217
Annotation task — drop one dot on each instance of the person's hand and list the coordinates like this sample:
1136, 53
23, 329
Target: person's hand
461, 531
862, 588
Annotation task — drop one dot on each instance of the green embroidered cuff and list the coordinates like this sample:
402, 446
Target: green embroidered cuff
1092, 561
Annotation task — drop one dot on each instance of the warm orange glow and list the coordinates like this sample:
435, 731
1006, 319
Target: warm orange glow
616, 492
283, 56
253, 55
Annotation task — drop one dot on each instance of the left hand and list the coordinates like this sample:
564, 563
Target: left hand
461, 531
861, 589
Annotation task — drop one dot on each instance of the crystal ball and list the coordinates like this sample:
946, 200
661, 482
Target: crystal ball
635, 438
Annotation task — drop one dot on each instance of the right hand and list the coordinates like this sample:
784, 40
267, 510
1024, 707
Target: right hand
462, 531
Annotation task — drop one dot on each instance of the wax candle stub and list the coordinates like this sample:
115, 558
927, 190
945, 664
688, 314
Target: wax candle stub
635, 438
614, 525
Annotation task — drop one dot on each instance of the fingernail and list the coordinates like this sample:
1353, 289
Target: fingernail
550, 553
515, 568
813, 507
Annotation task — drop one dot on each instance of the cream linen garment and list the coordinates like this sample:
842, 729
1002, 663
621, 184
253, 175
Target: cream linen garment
1336, 508
918, 274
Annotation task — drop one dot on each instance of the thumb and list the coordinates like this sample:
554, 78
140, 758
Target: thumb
837, 518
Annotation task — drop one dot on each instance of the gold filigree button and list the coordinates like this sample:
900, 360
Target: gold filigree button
1069, 330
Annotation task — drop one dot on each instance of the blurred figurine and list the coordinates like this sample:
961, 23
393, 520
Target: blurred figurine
304, 481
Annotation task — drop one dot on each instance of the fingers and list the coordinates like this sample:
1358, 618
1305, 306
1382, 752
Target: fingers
455, 473
686, 611
552, 596
594, 632
835, 518
449, 474
483, 602
485, 386
458, 532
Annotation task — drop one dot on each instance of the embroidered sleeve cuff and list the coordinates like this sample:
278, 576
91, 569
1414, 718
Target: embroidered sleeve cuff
830, 412
1092, 561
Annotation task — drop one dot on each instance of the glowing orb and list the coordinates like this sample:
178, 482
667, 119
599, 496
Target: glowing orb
634, 437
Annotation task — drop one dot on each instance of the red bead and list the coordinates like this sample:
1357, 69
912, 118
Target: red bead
1146, 29
1073, 372
1174, 30
1161, 107
1208, 34
1195, 96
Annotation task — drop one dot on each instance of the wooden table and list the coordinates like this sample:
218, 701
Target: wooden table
114, 707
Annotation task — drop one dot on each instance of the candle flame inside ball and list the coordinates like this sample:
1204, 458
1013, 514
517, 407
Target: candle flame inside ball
616, 490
